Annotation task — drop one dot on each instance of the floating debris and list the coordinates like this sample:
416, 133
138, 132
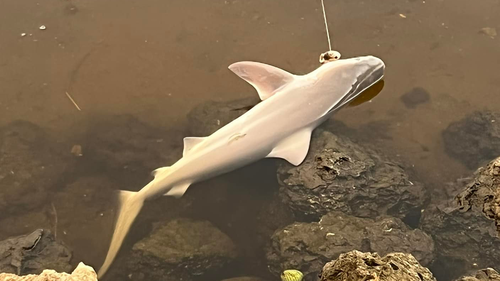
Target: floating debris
76, 150
23, 34
489, 31
42, 27
403, 16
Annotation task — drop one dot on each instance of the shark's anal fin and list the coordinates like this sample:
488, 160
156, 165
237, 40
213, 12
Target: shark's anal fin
294, 148
178, 190
189, 143
266, 79
159, 171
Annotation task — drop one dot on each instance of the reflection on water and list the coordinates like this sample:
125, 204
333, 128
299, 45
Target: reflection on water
156, 60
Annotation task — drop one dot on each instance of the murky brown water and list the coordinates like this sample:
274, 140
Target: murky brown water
157, 59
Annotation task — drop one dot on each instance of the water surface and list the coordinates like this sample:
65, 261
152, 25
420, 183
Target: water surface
158, 59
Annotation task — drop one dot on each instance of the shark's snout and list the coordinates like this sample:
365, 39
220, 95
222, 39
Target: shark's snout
358, 73
375, 68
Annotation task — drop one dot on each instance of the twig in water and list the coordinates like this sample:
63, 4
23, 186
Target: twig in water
55, 216
73, 101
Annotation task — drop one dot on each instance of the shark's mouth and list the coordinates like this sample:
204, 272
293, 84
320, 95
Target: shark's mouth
363, 82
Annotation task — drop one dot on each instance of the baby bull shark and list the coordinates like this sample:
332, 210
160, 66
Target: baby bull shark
280, 126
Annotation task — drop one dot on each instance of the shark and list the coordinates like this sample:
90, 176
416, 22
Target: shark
280, 126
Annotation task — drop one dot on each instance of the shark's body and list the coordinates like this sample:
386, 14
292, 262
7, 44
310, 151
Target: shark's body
278, 127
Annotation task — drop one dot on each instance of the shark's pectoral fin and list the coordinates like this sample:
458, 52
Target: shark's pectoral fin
189, 143
178, 190
294, 148
265, 78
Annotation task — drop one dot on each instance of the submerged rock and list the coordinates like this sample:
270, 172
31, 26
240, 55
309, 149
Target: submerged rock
30, 164
81, 273
482, 195
210, 116
358, 266
243, 279
32, 253
465, 235
83, 207
128, 147
464, 241
308, 246
180, 249
475, 139
343, 176
415, 97
487, 274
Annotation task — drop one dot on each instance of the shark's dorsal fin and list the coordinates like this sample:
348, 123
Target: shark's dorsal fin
178, 190
266, 79
189, 143
294, 148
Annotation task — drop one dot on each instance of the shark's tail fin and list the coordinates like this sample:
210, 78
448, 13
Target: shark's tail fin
130, 205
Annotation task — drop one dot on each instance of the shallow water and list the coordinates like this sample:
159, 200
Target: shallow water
158, 59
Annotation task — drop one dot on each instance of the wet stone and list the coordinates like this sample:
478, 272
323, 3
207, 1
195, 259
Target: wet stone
81, 273
358, 266
482, 195
208, 117
465, 229
475, 139
181, 249
83, 207
32, 253
308, 246
341, 175
129, 148
30, 164
244, 279
487, 274
415, 97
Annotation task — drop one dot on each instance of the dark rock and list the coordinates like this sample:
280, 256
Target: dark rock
31, 165
341, 175
463, 240
358, 266
180, 249
25, 222
32, 253
126, 146
208, 117
482, 195
243, 279
84, 207
308, 246
474, 139
487, 274
271, 216
465, 237
415, 97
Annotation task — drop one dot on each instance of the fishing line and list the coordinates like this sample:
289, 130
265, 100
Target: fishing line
330, 55
326, 25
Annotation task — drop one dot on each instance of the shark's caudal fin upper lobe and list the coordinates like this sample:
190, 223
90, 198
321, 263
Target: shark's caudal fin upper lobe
130, 205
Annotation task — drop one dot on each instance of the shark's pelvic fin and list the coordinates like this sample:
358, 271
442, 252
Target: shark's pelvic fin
189, 143
178, 191
294, 148
265, 78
